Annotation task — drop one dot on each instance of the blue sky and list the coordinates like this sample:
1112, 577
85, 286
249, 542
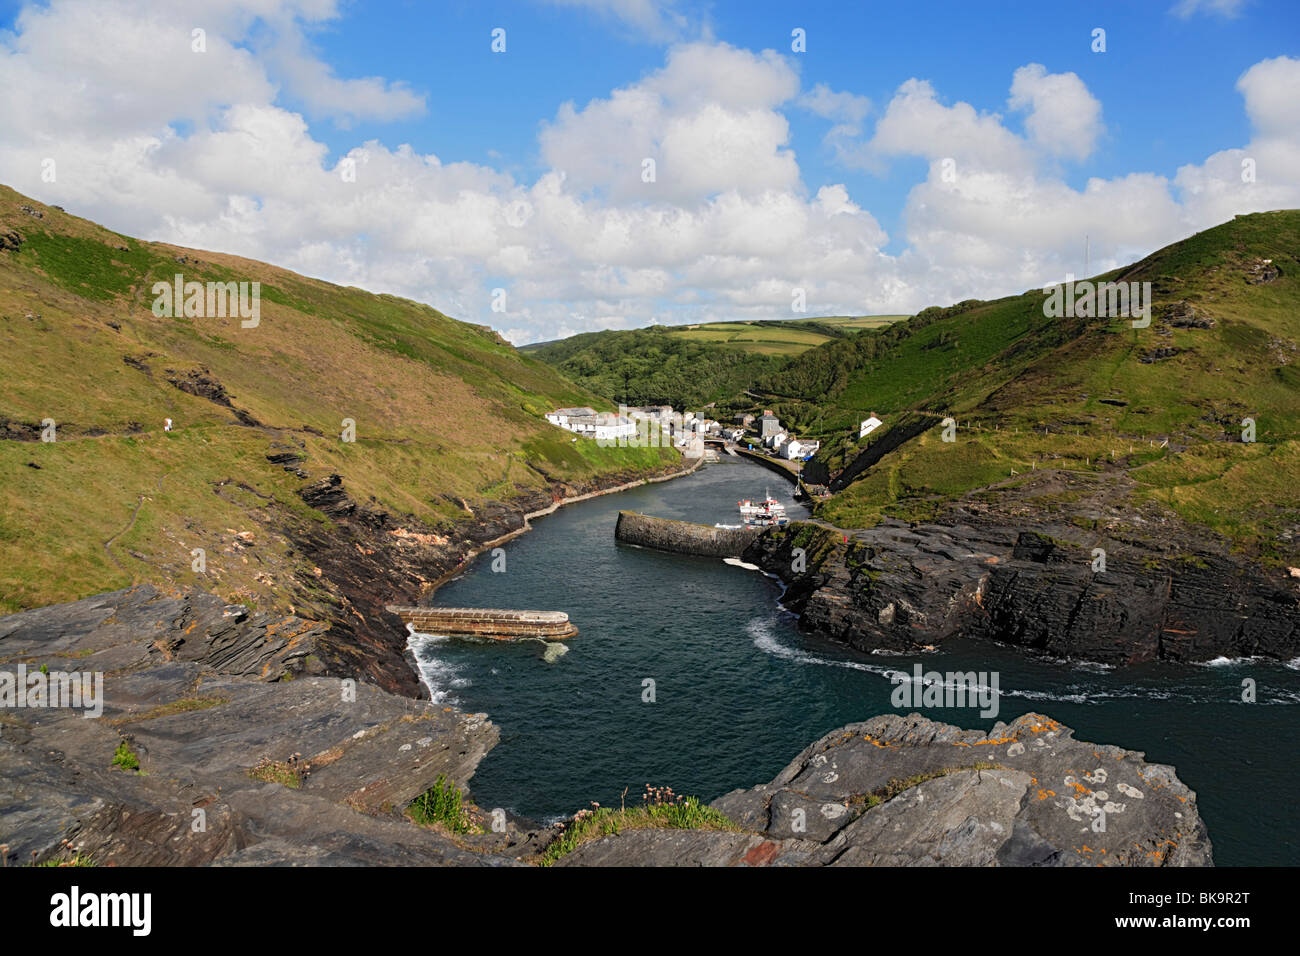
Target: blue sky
1166, 81
847, 201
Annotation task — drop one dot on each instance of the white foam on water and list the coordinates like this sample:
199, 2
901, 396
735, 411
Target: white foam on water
1225, 661
1095, 667
439, 676
737, 563
766, 640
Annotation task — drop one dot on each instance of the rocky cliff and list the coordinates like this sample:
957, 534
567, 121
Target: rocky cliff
1093, 594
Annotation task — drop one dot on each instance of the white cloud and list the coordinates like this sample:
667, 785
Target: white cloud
708, 120
1223, 8
346, 101
839, 106
915, 122
205, 153
1220, 187
1064, 118
658, 20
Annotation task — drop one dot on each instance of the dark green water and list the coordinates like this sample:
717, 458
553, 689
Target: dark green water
739, 691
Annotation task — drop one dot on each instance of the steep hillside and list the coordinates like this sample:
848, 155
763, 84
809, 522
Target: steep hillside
1160, 412
450, 442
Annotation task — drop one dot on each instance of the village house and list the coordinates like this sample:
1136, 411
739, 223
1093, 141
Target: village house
658, 413
743, 420
869, 425
603, 426
768, 425
563, 416
611, 427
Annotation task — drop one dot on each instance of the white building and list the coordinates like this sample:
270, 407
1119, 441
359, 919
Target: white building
564, 416
610, 427
659, 413
603, 426
775, 441
869, 425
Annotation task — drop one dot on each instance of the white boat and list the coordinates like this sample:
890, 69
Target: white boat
768, 512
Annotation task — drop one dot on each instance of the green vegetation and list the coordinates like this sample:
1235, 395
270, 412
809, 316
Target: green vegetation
184, 705
689, 366
288, 773
1091, 397
655, 366
124, 758
443, 805
74, 859
448, 417
661, 808
861, 803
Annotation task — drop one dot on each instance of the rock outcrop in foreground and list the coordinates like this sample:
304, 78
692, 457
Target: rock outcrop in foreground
203, 694
907, 791
250, 756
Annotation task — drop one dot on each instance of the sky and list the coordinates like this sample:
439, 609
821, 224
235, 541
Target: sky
549, 167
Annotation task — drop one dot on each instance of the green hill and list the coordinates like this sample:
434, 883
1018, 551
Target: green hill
448, 417
689, 366
1158, 410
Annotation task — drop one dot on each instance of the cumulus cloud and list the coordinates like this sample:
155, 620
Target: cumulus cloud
1263, 174
210, 156
346, 101
1064, 118
708, 120
916, 122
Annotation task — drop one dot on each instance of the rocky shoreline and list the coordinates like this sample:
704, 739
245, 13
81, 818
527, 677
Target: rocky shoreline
908, 587
272, 739
370, 559
247, 755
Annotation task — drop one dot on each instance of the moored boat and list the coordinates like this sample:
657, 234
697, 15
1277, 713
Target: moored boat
768, 512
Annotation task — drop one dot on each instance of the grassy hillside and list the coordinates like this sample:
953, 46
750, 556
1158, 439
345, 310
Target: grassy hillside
447, 415
1159, 409
688, 366
656, 366
781, 337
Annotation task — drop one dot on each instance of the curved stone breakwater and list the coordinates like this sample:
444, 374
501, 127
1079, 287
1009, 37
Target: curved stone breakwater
683, 537
503, 625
